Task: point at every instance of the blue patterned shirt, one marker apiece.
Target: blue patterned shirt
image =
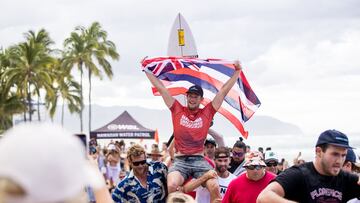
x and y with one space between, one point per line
130 189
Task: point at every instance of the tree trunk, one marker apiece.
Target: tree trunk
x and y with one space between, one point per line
62 112
89 100
81 98
29 103
38 108
24 101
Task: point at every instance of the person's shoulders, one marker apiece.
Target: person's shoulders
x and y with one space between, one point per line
297 169
122 189
240 178
124 183
176 105
237 182
292 175
349 177
292 180
229 178
232 176
158 164
210 107
158 168
270 175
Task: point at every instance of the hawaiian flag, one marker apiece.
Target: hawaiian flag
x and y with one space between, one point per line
179 73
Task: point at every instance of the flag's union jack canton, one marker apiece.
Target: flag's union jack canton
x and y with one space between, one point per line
179 73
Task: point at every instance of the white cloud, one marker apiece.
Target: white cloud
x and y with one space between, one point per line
293 60
300 56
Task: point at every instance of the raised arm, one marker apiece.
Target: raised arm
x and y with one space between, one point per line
171 150
273 193
219 139
219 98
168 99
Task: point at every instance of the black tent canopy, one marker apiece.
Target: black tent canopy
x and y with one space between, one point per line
124 126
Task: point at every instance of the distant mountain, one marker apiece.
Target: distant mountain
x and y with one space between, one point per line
267 125
161 120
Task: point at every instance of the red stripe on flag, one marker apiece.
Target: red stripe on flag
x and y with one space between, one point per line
233 119
203 76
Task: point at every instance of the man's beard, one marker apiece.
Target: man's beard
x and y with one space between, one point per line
221 169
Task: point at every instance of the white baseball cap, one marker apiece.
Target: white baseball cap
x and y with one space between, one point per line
271 156
48 162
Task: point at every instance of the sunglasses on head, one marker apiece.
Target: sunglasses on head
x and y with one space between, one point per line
238 154
251 167
271 164
137 163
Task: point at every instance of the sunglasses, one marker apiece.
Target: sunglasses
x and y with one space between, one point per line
238 154
251 167
271 164
137 163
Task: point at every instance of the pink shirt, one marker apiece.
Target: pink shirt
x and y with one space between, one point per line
245 190
191 127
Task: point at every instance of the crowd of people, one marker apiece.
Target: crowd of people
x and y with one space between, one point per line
44 163
32 162
256 170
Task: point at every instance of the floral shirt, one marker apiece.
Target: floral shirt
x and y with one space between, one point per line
130 189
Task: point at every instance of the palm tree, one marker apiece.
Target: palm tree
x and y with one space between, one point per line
66 88
42 38
32 62
101 48
76 54
89 47
10 103
69 91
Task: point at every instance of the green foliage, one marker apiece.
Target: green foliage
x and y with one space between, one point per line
89 48
33 69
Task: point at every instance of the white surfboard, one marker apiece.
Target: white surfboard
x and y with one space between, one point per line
181 40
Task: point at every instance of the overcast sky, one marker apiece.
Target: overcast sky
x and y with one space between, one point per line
302 58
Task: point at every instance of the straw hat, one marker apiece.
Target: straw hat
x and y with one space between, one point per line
155 152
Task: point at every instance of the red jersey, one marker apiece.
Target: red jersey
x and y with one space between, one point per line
245 190
191 127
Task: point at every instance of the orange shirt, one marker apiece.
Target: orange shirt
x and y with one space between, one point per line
191 127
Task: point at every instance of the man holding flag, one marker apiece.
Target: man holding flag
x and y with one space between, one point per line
191 125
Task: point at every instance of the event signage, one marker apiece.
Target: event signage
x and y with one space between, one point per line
122 127
144 135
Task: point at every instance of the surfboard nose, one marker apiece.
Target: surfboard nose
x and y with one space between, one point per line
181 40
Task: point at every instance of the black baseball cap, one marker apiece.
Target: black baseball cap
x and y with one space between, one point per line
196 89
210 141
333 137
350 156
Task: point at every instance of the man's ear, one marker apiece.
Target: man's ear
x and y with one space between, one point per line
318 151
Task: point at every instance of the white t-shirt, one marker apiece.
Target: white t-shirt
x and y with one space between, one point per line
203 195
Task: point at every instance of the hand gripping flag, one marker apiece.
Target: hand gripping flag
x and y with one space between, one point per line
179 73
